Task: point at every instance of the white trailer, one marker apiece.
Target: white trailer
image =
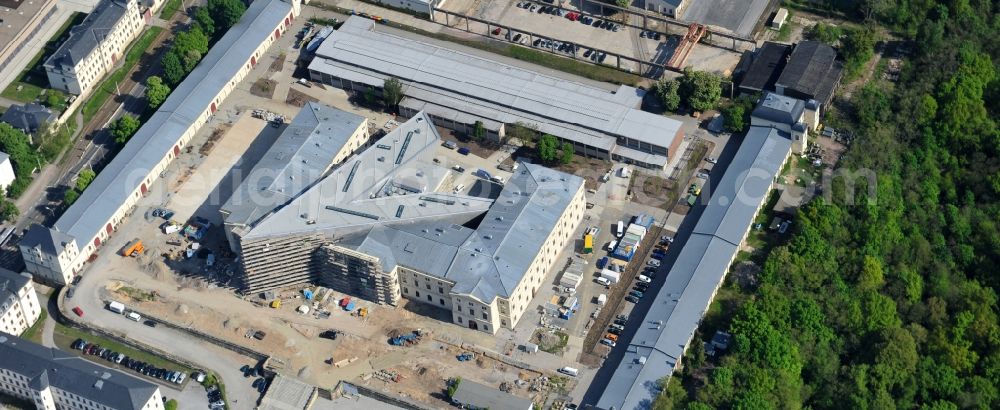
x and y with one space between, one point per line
610 275
116 307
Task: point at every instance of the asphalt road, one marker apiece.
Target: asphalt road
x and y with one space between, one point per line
604 374
223 362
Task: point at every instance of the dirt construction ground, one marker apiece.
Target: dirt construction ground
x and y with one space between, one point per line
165 283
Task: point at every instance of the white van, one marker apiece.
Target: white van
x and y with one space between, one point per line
572 371
458 188
611 245
620 229
116 307
134 317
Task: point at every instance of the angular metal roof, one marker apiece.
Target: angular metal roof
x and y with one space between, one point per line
28 117
10 284
46 367
84 37
393 180
677 308
812 70
745 185
491 260
768 62
780 109
300 156
50 241
485 397
459 80
121 177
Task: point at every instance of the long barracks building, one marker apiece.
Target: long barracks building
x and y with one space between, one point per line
457 89
54 255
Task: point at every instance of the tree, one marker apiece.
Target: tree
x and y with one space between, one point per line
700 90
54 99
70 196
204 21
734 117
226 13
84 179
392 92
8 210
453 386
522 132
478 130
170 405
193 39
123 128
546 148
567 153
23 157
156 91
369 96
173 69
623 3
190 60
666 90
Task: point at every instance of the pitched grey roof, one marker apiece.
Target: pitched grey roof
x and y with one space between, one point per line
491 260
50 241
779 109
10 284
51 367
745 185
677 308
158 136
812 71
394 180
489 88
768 62
84 37
301 155
28 117
485 397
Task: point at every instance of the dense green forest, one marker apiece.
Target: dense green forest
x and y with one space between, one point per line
888 301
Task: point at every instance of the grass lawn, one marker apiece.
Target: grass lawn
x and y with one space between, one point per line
32 80
34 333
169 9
109 86
64 337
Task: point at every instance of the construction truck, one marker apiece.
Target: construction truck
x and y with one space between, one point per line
133 248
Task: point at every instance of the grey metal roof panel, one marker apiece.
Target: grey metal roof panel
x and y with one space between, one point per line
28 117
50 241
106 194
428 66
491 260
10 284
51 367
692 280
768 62
365 189
299 157
485 397
83 37
808 66
745 185
779 108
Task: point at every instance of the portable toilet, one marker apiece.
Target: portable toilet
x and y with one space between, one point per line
307 293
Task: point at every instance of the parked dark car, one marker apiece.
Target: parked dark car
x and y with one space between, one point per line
329 334
632 299
464 151
635 293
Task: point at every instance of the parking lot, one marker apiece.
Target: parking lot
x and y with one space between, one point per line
608 36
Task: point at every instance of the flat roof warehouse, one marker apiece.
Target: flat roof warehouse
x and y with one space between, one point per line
453 80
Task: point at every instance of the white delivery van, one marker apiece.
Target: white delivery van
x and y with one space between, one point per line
602 299
116 307
572 371
620 229
612 245
134 317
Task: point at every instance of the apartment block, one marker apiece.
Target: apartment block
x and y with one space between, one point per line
19 307
94 46
52 379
